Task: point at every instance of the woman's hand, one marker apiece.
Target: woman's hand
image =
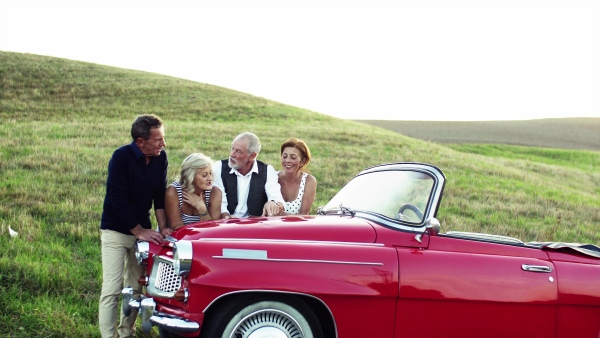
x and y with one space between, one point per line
166 232
197 202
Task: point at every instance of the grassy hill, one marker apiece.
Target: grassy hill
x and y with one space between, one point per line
61 120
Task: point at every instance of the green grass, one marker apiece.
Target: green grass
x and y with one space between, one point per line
577 159
61 120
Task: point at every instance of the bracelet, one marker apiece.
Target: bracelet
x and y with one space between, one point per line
204 214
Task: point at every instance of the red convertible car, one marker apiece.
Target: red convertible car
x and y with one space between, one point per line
372 263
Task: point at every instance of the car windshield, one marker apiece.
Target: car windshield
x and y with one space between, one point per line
398 194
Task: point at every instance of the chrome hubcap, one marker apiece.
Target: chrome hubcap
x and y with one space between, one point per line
268 332
268 323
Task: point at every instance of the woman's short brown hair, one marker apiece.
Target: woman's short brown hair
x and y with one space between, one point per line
301 146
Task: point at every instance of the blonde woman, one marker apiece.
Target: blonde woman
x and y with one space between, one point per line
193 197
298 187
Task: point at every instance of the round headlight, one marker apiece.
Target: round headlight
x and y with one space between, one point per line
182 257
141 251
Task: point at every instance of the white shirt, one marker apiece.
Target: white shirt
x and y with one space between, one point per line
272 187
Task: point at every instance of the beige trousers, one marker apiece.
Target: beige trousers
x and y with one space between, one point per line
119 269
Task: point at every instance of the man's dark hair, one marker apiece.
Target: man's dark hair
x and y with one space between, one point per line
143 124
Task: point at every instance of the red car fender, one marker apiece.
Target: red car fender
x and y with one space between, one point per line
357 282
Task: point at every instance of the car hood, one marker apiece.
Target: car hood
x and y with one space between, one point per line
302 228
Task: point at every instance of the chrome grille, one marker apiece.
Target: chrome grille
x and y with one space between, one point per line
163 280
166 280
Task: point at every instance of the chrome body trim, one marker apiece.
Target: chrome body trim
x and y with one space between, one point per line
174 324
142 248
129 304
186 294
183 254
245 254
264 240
292 260
149 316
146 311
484 237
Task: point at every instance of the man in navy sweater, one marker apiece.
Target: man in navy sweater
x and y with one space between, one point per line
137 178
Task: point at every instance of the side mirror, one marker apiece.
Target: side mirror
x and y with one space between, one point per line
432 228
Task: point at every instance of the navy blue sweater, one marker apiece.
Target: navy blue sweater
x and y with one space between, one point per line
131 188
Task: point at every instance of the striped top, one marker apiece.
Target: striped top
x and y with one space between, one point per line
187 219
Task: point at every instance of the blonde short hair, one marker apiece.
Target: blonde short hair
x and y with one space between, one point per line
189 166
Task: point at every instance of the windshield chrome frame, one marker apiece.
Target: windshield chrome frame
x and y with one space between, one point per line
433 202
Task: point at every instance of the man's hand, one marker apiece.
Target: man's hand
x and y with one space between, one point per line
273 208
148 235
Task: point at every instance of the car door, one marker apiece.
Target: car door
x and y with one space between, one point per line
578 313
457 287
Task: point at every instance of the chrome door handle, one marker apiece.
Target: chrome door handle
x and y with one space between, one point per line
536 268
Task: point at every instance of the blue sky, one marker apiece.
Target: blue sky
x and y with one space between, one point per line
363 59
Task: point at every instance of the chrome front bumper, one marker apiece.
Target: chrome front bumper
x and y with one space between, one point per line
146 309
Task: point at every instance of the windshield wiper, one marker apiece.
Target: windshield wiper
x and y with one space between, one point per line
344 210
347 210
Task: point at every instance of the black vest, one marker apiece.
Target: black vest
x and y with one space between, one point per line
257 196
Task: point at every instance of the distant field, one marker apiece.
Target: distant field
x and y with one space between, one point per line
563 133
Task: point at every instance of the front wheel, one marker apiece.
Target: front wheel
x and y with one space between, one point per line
270 319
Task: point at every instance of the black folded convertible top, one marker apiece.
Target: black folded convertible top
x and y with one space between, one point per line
586 249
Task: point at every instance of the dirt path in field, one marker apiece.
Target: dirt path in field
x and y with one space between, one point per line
564 133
